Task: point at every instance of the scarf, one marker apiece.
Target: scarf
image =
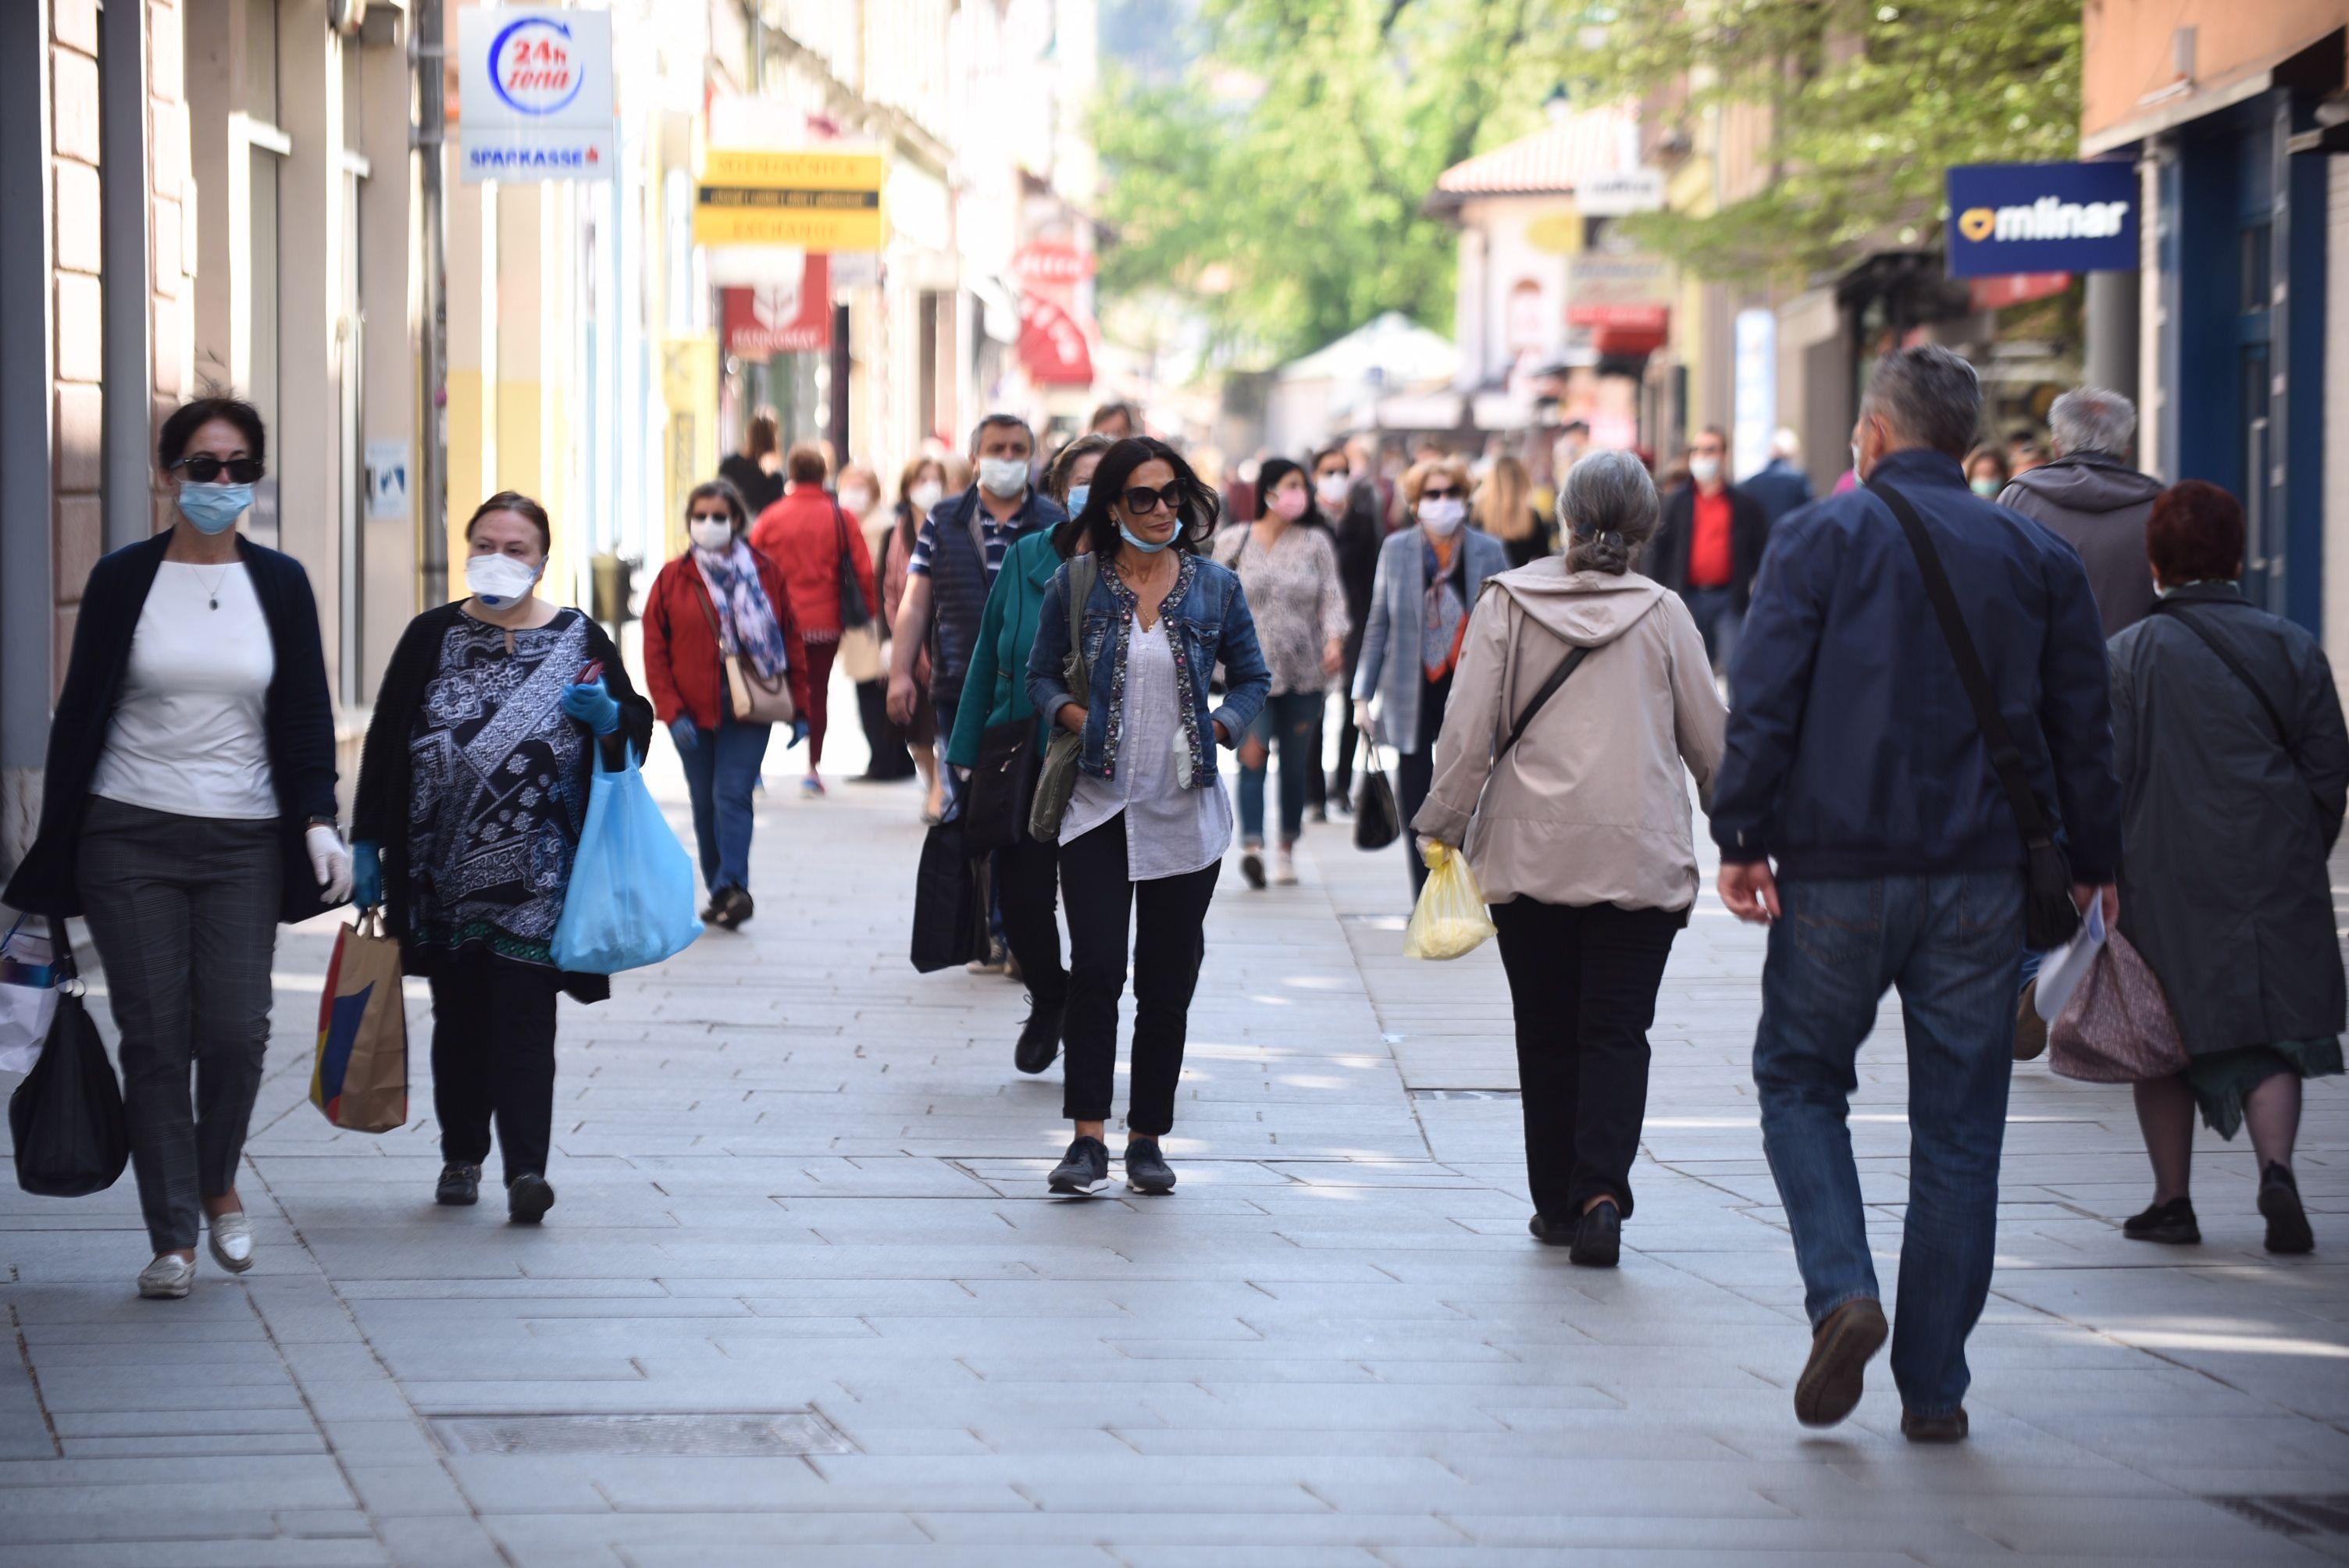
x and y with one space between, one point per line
746 622
1444 622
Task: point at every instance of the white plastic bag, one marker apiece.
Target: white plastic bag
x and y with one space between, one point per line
28 996
2061 972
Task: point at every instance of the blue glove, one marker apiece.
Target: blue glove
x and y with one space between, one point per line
592 706
798 732
366 876
681 731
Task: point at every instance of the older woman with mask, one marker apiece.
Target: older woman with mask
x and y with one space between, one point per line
1583 700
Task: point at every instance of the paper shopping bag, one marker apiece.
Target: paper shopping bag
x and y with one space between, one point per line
359 1079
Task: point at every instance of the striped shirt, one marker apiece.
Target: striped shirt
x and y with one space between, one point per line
998 537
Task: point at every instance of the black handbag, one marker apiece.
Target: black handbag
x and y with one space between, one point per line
2050 918
996 795
1377 821
66 1116
949 903
854 611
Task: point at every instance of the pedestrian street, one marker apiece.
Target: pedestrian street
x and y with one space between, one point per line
804 1299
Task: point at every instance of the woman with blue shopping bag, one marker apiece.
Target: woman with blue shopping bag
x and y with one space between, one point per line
499 719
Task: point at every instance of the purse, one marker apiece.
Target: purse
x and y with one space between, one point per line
853 611
999 785
751 697
1056 781
949 904
1378 823
65 1117
2050 918
2117 1027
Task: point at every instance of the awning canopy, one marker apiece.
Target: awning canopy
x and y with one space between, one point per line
1555 161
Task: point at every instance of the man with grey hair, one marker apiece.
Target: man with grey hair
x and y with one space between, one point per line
2097 503
1854 762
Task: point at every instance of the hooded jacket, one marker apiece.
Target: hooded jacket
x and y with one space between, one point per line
1591 805
2099 508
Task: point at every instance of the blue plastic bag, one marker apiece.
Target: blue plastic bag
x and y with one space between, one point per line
630 902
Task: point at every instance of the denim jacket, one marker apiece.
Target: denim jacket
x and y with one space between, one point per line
1207 624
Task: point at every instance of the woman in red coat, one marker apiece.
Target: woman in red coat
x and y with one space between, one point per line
808 535
721 597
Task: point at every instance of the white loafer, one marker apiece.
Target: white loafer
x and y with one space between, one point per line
166 1278
232 1242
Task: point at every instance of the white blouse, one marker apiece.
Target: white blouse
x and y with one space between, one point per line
1170 830
190 735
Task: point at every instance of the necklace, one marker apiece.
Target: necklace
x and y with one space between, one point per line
212 589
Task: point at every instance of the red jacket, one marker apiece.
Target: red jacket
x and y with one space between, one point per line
802 534
682 671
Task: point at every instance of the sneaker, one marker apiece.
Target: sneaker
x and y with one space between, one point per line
231 1241
2030 1028
1284 868
1146 1169
1948 1428
2171 1224
166 1278
1083 1170
1598 1237
460 1185
1252 868
2288 1229
527 1197
812 788
1830 1385
1039 1038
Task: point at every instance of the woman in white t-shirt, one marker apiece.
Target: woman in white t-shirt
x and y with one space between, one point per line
189 808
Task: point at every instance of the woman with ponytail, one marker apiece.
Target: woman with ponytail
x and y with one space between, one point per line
1582 701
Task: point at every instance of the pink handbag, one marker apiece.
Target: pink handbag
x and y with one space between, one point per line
2117 1027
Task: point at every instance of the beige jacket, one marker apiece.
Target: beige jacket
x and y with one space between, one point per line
1593 805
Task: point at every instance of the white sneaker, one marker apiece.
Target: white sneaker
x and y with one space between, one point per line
1284 869
166 1278
232 1242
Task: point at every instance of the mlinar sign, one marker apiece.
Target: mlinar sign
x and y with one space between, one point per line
2043 218
534 92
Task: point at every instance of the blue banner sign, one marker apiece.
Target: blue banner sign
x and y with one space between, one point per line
2043 218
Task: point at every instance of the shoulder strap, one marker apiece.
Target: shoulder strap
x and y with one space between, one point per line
2172 610
2006 757
1083 573
1567 667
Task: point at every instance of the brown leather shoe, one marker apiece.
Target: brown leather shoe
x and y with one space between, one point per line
1829 1388
2030 1028
1948 1428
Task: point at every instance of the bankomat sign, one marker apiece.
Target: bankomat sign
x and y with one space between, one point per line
2043 218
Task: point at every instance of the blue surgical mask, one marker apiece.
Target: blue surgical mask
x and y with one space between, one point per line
214 509
1142 545
1077 494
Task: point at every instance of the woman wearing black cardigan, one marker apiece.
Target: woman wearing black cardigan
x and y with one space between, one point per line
473 791
188 808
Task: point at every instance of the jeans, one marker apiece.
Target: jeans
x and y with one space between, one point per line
720 774
493 1058
1166 921
1415 775
1950 943
1582 984
1714 610
1289 721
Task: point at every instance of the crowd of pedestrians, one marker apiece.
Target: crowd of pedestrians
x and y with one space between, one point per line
1935 719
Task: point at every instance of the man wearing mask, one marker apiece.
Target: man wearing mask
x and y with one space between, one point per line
2092 498
1711 545
957 554
1348 509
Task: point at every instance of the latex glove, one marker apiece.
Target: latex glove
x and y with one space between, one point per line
366 876
329 862
681 731
799 733
592 706
1362 719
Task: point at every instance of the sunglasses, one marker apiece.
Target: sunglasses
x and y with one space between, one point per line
1140 501
206 469
724 517
1434 493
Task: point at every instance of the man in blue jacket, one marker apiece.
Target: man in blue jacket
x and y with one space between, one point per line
1854 763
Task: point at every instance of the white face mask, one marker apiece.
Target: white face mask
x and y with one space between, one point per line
1003 477
1333 488
1854 457
926 495
500 580
1443 516
711 535
856 499
1704 471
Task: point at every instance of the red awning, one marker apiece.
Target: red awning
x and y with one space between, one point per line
1053 348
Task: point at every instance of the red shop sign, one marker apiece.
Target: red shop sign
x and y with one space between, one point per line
1052 346
760 322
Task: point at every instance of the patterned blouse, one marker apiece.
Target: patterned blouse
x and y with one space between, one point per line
499 778
1295 596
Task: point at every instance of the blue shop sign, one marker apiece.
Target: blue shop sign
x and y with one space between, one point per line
2043 218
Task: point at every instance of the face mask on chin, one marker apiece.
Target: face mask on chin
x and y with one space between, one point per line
500 580
1143 545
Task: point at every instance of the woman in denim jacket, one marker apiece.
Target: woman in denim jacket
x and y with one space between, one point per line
1145 834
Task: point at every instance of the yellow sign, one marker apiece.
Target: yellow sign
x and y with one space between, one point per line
813 200
1976 222
1559 233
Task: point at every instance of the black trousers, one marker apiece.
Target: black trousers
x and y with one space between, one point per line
1415 772
1027 893
1583 980
884 738
1167 920
493 1058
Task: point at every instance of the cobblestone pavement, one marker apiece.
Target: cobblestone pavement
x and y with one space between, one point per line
798 1180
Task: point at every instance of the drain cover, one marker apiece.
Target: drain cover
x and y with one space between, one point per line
2290 1514
711 1435
1466 1094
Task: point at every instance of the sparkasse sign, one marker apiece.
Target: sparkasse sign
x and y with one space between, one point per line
534 94
2042 218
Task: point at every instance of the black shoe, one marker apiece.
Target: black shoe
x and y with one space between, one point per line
1948 1428
1039 1038
1830 1385
460 1185
1598 1237
1146 1169
1083 1170
1252 869
527 1197
2171 1224
1548 1235
737 906
2288 1229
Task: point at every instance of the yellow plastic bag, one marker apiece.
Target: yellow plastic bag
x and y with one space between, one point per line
1450 918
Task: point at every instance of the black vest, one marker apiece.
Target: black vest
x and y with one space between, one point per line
960 582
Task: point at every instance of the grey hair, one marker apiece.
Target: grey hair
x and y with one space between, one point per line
2092 419
1929 396
1608 506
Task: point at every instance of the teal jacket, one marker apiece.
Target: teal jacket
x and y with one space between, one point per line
999 666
